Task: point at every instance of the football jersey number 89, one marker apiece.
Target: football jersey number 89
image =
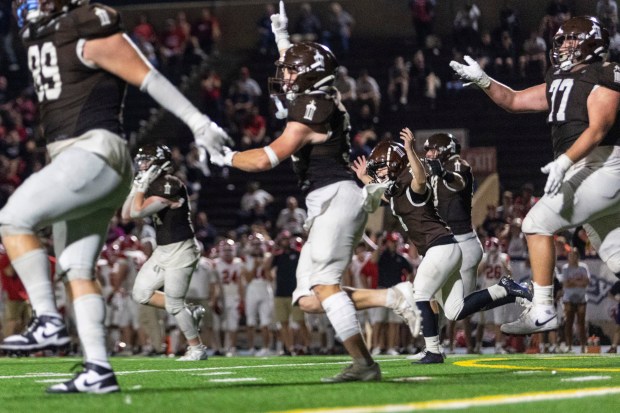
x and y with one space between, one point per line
43 63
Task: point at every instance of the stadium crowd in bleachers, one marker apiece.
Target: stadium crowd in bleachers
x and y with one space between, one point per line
414 82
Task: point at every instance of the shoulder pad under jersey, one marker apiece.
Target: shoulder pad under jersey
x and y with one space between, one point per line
166 186
311 109
96 21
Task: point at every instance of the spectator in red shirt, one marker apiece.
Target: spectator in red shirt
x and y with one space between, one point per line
206 32
254 129
145 29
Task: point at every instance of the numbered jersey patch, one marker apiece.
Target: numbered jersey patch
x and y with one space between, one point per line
74 95
567 97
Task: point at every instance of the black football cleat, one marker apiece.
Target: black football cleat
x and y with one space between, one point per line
430 358
515 290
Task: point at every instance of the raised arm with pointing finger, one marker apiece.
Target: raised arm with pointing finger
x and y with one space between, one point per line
279 27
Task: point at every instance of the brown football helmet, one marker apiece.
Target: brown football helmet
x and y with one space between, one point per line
387 154
314 64
445 144
30 11
151 154
592 43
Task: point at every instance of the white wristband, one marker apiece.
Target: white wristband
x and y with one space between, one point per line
564 161
273 158
283 43
228 158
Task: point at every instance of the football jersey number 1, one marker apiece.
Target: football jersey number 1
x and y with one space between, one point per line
559 112
43 63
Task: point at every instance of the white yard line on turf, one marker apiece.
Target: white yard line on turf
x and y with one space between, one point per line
244 367
481 401
240 379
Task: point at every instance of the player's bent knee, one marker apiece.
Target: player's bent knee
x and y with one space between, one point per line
174 305
421 295
6 230
452 312
310 304
141 296
73 274
531 225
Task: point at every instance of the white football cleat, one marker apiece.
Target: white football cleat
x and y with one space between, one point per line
263 352
406 308
93 379
43 332
532 320
195 353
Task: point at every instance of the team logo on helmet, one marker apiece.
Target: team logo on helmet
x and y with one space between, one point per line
31 11
149 155
309 66
579 40
386 162
445 144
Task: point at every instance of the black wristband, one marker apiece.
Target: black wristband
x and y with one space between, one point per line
448 177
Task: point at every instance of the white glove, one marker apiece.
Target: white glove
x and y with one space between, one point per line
148 177
227 156
556 171
209 135
471 72
279 25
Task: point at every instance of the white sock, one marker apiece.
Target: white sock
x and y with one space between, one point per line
186 324
497 292
33 269
543 295
342 315
89 317
432 344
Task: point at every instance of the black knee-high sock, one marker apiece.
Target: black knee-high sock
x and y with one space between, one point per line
430 325
481 300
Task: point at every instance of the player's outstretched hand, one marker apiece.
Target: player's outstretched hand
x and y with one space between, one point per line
211 137
472 72
359 167
408 139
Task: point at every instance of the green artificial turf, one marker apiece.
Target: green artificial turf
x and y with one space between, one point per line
506 383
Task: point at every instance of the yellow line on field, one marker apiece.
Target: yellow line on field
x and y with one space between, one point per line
480 401
480 364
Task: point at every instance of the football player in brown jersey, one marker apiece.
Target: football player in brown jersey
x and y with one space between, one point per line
81 62
163 196
316 137
453 183
581 94
395 174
